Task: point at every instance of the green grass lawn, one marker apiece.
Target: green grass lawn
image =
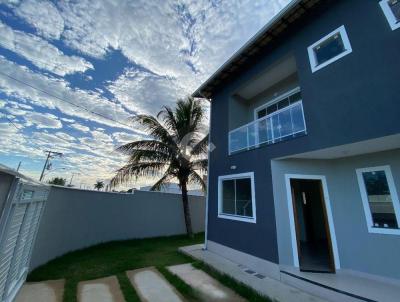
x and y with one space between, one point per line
115 258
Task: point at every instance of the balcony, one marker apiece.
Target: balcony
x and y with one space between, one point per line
278 126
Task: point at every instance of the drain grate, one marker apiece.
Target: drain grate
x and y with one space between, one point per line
249 271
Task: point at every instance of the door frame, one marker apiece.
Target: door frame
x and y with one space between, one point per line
329 216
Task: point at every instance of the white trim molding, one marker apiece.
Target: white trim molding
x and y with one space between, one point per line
332 232
347 46
393 195
391 18
253 198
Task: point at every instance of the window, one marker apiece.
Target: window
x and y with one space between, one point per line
281 102
391 9
380 200
329 49
236 197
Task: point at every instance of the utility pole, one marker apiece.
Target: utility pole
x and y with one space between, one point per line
72 176
50 155
19 166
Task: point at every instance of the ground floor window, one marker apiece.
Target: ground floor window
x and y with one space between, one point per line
380 199
391 9
236 197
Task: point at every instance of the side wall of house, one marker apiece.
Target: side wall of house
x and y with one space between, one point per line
358 249
74 219
351 100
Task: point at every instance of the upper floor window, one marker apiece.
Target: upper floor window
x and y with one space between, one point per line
281 102
329 49
236 198
380 200
391 9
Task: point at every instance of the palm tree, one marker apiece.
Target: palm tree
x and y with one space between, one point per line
99 185
176 150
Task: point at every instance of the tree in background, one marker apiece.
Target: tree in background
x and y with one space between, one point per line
177 150
57 181
99 185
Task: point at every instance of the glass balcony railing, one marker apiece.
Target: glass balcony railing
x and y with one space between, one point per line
281 125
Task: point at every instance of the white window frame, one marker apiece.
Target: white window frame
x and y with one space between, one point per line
276 100
347 46
393 195
253 198
389 14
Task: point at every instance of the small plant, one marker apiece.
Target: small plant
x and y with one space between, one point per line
99 185
59 181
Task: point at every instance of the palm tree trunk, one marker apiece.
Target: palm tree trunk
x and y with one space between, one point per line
186 210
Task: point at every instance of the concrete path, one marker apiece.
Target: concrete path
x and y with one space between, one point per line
48 291
209 288
267 286
151 286
100 290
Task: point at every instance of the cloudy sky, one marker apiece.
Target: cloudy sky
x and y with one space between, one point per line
69 68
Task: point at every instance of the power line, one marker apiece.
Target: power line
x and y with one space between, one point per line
64 100
20 129
39 147
33 60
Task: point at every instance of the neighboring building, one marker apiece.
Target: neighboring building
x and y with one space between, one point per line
174 188
305 119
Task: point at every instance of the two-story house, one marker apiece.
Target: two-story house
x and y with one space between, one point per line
305 119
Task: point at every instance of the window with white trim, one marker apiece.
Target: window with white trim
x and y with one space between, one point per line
391 9
380 199
330 48
278 103
236 199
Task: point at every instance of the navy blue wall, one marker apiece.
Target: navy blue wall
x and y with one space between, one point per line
353 99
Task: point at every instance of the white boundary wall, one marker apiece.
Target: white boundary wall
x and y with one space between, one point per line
74 219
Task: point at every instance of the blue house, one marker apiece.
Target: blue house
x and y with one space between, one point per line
305 119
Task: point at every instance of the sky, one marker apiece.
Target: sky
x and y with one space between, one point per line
73 72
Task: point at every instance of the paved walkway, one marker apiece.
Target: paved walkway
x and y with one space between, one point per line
100 290
266 286
209 288
49 291
151 286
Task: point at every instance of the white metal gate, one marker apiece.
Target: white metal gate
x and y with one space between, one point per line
18 228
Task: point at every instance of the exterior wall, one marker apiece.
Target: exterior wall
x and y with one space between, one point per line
241 111
353 99
264 97
370 253
74 219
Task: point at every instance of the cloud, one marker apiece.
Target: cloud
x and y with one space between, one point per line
40 52
60 90
80 127
144 92
123 137
173 45
42 15
42 120
67 120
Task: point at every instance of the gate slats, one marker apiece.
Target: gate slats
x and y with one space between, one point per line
17 236
7 254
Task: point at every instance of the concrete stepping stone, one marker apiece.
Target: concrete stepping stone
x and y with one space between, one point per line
100 290
209 288
151 286
48 291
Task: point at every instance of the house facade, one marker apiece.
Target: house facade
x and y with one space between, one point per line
305 120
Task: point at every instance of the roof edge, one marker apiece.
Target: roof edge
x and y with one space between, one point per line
276 18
